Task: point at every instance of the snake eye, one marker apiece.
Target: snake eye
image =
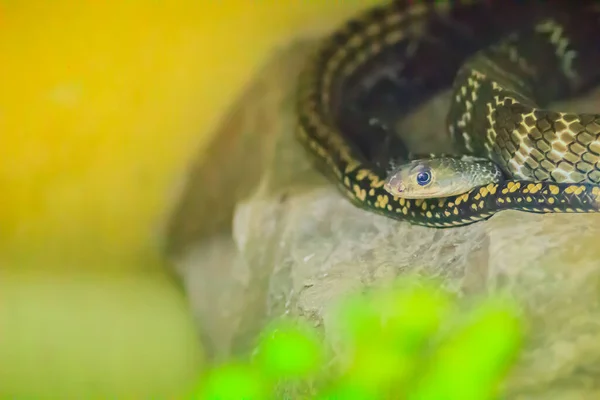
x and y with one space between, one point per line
423 178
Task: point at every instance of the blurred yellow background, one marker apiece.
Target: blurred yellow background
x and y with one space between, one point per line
102 105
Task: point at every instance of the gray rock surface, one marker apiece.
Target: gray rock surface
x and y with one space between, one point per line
286 242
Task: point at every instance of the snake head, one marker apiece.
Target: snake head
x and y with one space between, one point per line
440 177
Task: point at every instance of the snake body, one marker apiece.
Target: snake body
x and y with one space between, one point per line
502 59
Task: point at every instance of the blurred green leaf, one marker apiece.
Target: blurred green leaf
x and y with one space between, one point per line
394 348
233 381
289 350
471 364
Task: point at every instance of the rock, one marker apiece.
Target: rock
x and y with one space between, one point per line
288 243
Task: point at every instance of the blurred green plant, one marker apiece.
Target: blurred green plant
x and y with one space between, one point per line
412 342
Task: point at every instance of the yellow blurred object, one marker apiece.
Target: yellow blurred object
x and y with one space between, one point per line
92 336
102 106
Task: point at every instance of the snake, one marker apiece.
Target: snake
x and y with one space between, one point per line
502 60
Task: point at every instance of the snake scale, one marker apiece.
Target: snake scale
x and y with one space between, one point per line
501 59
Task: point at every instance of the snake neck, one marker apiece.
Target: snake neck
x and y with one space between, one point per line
499 93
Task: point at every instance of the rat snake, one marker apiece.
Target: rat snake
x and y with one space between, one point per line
501 58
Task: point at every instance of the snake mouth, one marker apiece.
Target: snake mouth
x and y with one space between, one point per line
393 188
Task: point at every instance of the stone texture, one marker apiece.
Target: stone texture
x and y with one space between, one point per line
286 242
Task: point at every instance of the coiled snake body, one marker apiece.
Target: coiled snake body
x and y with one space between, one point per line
503 60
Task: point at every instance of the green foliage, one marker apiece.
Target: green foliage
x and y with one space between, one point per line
411 343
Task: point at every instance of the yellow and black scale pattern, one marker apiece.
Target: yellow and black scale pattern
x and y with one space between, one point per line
551 158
